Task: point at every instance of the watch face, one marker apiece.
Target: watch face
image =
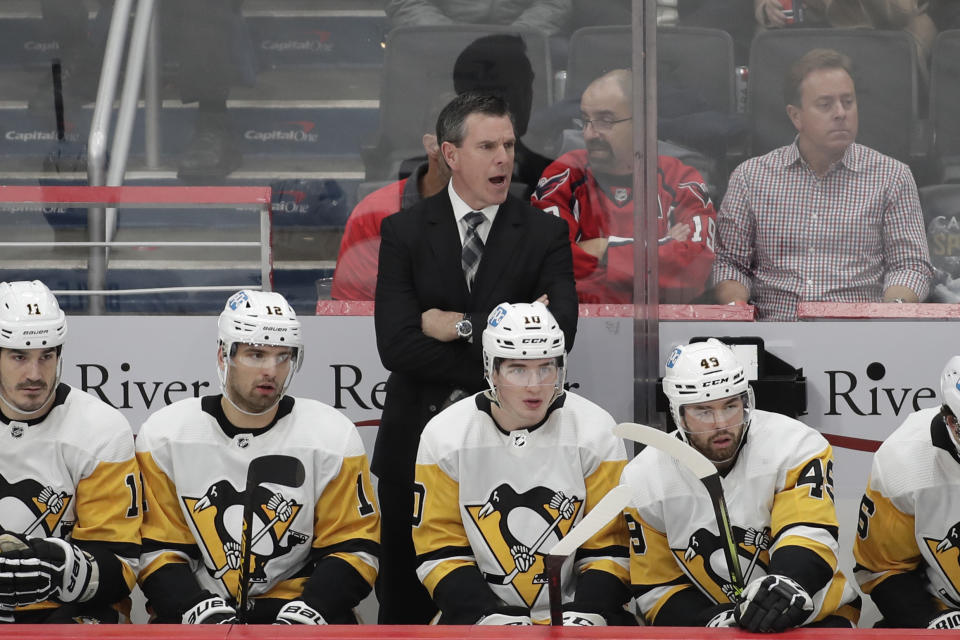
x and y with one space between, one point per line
464 328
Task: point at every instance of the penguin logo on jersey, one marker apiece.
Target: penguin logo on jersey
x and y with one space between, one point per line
946 552
519 528
218 519
31 508
706 565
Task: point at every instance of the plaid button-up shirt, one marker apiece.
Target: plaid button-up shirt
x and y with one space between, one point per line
788 235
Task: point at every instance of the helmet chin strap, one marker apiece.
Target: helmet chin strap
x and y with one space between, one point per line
44 406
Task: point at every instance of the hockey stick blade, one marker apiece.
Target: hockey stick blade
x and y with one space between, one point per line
609 507
276 469
683 453
707 473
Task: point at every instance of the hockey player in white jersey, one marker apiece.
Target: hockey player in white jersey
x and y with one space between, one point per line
70 495
777 475
907 545
314 541
502 475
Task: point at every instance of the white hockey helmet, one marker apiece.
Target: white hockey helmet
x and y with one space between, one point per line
522 331
950 385
703 372
260 318
30 317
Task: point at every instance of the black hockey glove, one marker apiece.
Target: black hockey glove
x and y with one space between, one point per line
37 569
773 603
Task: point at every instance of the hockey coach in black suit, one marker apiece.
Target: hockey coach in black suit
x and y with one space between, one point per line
445 263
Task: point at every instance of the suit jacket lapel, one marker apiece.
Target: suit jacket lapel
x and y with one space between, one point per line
444 240
502 242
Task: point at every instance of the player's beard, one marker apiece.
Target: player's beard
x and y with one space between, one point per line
28 404
702 443
251 401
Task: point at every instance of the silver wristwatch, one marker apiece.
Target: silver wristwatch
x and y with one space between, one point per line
465 327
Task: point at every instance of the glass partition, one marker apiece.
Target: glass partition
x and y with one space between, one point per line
333 104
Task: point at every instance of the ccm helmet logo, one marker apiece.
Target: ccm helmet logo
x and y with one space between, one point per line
713 383
534 340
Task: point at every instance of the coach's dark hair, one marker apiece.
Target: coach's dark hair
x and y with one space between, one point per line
451 124
813 60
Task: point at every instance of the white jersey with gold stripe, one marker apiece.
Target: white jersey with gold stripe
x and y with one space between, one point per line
195 474
910 515
500 500
779 493
72 474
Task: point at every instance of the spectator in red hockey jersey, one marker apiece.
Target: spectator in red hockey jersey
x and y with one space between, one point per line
592 189
355 277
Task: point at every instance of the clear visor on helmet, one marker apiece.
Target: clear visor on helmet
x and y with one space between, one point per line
262 356
716 415
520 374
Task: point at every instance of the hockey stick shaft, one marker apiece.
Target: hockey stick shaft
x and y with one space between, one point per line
243 590
706 472
609 507
276 469
263 531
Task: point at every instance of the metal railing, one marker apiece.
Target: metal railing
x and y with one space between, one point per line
143 49
97 198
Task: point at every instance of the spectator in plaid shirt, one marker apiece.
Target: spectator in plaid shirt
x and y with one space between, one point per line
823 218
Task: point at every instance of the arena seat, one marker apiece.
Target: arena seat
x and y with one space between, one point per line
418 72
944 98
695 61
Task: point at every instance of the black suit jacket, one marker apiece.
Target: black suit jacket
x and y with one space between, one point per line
527 254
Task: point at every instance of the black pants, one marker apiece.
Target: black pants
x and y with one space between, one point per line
403 598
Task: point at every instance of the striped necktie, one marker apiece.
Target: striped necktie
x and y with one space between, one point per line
472 247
